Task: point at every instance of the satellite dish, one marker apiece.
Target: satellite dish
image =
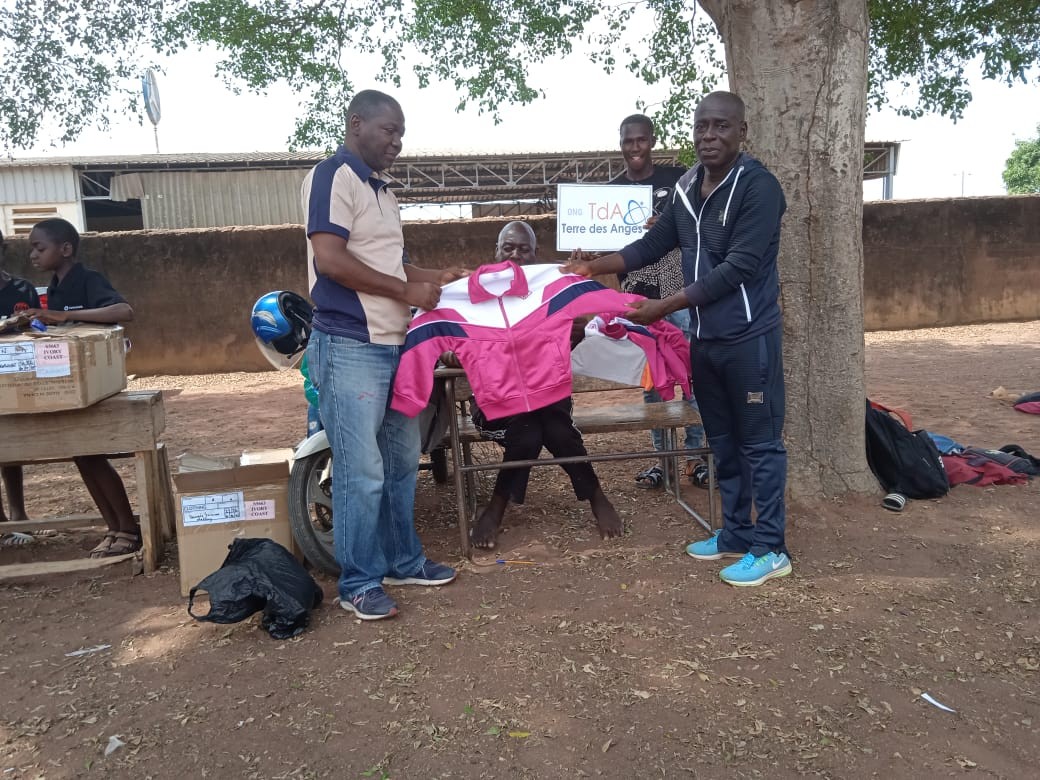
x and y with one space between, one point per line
150 88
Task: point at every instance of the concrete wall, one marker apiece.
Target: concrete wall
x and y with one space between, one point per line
927 263
951 262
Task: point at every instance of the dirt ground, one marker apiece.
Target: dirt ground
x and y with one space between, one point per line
622 659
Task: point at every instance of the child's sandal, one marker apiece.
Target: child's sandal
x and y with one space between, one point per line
651 478
699 477
124 543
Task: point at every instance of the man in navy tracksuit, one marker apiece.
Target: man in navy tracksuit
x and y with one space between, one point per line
725 216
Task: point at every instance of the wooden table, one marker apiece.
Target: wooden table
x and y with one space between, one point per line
125 425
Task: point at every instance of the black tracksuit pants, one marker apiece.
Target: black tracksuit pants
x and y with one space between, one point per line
523 436
740 391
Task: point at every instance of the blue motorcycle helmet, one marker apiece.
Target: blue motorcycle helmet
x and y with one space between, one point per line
281 322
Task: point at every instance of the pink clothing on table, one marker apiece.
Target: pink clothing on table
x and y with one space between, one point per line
659 346
510 327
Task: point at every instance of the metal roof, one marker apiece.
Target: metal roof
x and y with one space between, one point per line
205 160
178 161
433 178
256 159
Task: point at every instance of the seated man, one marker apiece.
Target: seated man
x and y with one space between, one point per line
523 435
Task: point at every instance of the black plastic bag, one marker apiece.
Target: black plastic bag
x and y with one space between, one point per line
260 574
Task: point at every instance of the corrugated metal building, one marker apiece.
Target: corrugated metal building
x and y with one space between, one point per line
154 191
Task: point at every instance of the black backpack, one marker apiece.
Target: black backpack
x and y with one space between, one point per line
903 461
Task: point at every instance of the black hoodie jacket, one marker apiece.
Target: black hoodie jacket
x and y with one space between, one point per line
729 242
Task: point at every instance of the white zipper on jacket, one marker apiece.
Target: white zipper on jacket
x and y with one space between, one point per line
512 352
725 216
725 212
697 218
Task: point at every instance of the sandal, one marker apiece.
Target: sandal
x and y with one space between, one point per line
124 543
699 476
103 546
651 478
894 502
16 539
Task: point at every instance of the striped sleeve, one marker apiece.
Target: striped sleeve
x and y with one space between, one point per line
330 207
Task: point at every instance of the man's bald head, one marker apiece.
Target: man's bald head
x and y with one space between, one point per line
729 102
517 242
522 227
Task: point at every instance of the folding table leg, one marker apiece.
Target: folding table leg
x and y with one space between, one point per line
458 459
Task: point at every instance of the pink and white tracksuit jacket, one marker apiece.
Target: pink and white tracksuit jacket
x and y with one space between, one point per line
510 328
662 347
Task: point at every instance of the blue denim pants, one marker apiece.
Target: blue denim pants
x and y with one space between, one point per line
694 433
375 461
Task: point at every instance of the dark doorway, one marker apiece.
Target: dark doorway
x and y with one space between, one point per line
109 215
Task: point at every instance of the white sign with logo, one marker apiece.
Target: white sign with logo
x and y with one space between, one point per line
601 217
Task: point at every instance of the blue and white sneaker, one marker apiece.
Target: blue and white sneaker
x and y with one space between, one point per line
749 570
429 573
708 550
373 604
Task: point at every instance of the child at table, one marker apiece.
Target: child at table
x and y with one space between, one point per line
16 295
78 294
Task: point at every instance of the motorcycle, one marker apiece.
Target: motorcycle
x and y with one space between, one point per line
310 497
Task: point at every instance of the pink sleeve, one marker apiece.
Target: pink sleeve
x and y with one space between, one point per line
596 301
414 381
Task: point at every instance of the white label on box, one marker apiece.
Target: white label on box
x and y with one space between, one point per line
17 357
52 359
213 508
260 510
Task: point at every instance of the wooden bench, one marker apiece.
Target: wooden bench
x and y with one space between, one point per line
667 416
125 425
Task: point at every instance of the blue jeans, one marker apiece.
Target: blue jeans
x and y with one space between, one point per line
694 433
375 461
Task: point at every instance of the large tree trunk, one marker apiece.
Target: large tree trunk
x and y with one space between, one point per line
801 67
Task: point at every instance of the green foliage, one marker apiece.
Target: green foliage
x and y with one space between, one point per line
66 65
1022 170
51 72
923 46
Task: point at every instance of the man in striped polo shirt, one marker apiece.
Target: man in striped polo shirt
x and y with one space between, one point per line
363 287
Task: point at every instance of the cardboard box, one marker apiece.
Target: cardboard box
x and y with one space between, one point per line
66 367
218 500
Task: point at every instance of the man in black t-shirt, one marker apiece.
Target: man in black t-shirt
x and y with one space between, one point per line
660 279
664 277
